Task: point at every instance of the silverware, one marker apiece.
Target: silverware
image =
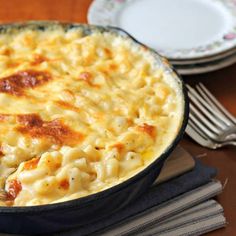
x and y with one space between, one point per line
203 140
210 124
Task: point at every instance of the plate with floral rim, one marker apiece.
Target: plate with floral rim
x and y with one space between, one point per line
219 56
206 67
177 29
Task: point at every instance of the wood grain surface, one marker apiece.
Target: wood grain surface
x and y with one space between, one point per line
222 83
180 161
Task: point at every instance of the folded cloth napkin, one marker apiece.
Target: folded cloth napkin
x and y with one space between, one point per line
157 194
200 227
202 218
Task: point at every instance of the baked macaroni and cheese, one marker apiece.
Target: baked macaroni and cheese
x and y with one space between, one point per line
79 114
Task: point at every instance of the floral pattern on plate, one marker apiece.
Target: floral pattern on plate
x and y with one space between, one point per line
105 12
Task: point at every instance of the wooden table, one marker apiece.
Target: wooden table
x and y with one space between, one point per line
222 83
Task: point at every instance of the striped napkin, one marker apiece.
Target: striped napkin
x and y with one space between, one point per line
191 213
203 218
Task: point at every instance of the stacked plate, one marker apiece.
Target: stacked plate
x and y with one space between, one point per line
197 36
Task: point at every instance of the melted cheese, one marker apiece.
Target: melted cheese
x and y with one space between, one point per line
79 114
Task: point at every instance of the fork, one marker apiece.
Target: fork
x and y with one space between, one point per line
203 140
210 124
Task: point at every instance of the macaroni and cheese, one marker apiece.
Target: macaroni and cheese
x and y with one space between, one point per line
79 114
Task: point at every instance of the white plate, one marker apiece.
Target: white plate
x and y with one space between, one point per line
213 58
206 67
178 29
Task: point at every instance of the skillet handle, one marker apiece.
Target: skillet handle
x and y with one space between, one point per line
123 32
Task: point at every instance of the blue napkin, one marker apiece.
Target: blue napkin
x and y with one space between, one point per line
157 194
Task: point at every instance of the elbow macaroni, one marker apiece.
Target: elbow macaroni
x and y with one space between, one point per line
79 114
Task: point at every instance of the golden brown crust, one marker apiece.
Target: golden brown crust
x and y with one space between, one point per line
149 129
55 130
14 188
17 83
31 164
67 106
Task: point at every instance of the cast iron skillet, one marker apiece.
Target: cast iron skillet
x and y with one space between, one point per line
75 213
